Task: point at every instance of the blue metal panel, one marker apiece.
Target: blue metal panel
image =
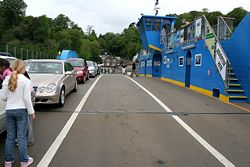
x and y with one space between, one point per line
205 76
153 38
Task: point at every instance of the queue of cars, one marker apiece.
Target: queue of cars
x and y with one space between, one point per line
53 79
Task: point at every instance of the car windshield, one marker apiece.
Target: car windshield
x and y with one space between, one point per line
44 67
75 63
90 63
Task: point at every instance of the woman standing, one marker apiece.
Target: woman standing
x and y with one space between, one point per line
16 93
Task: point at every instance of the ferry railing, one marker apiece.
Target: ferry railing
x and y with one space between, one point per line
224 28
187 35
226 80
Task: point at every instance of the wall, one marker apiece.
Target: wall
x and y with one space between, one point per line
205 76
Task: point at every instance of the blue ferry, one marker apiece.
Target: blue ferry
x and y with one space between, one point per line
211 60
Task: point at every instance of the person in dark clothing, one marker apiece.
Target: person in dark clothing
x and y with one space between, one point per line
133 69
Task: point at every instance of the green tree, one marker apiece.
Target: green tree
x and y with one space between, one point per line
62 22
183 19
212 17
131 42
237 13
41 29
11 10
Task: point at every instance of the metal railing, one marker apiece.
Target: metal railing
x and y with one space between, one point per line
23 53
224 28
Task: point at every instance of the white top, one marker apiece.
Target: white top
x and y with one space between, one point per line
21 97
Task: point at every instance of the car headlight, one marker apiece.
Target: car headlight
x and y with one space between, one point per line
51 87
79 72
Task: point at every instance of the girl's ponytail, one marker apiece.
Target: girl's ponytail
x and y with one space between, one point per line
18 67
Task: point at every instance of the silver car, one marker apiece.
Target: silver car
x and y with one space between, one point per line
92 67
52 80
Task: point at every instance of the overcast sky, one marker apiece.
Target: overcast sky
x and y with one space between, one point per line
115 15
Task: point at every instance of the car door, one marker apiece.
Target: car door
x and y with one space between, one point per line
70 77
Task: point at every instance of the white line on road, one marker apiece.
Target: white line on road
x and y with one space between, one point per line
45 161
204 143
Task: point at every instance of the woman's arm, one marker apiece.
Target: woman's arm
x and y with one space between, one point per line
27 97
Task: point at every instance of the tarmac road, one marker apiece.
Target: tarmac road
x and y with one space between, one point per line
121 125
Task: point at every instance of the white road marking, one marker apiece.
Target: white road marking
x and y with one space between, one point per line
45 161
205 144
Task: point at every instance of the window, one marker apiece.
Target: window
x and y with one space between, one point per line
181 61
148 24
68 67
198 60
156 25
44 67
76 63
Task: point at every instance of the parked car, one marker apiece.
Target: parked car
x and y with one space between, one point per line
7 56
2 115
81 67
52 80
98 68
92 68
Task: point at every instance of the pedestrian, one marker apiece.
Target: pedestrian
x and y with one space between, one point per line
5 69
16 93
133 69
123 69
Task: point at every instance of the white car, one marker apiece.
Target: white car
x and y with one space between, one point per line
2 103
2 115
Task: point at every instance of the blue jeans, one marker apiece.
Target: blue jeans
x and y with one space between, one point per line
16 124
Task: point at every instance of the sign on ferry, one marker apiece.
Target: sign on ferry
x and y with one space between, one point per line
221 61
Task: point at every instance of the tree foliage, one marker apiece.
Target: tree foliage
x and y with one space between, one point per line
183 19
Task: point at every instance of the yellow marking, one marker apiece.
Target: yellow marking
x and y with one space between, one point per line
238 97
154 47
147 75
237 106
222 98
174 82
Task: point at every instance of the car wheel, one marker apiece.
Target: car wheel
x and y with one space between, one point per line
62 98
76 86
